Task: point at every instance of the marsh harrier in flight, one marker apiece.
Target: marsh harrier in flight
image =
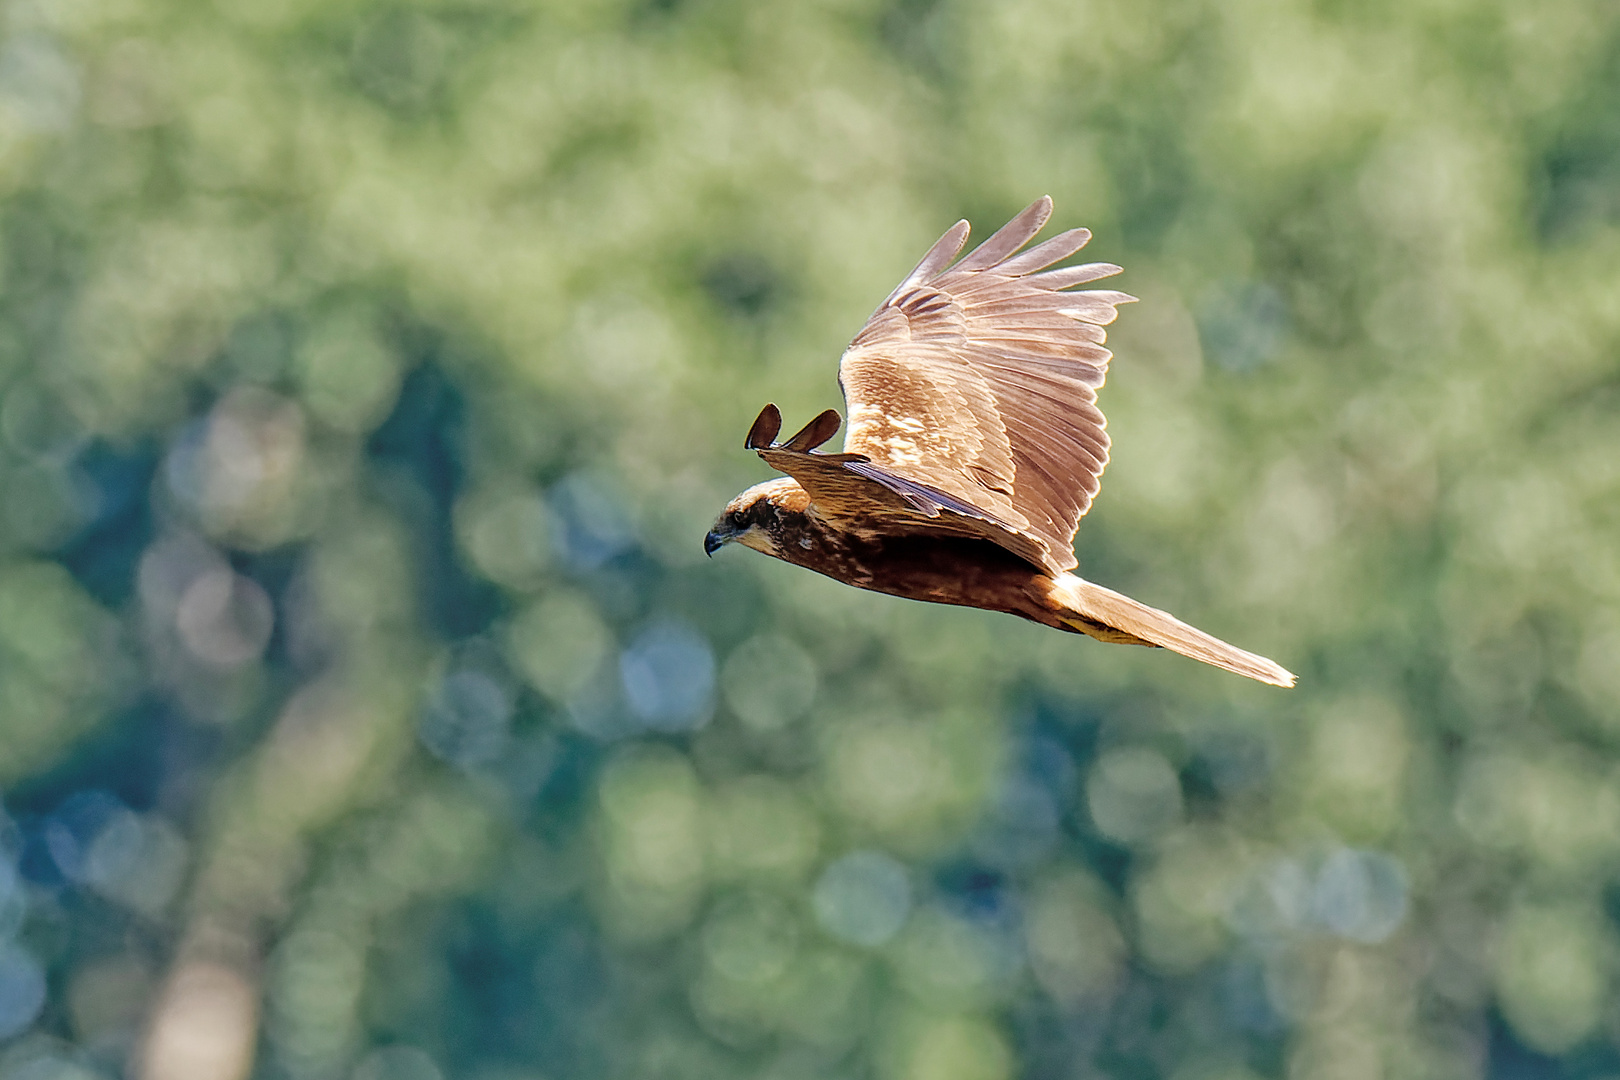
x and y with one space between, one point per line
975 446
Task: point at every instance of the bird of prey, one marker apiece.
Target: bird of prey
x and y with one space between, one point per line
975 446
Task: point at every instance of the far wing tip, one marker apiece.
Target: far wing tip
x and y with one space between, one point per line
765 428
816 432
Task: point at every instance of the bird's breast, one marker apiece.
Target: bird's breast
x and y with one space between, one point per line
957 570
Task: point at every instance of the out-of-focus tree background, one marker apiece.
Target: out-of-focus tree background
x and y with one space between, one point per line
371 369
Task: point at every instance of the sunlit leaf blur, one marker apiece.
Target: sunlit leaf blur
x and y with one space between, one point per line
370 372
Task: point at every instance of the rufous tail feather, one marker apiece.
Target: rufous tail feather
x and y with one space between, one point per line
1111 616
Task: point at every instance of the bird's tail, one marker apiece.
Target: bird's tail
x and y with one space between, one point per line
1109 616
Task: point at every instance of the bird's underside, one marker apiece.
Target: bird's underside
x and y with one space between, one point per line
974 448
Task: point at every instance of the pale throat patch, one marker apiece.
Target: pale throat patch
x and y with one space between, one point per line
755 538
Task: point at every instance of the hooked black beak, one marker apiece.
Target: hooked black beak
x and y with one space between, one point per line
715 541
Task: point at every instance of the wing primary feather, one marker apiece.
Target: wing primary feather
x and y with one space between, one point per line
1065 276
1008 311
1106 296
1089 372
1009 238
1053 322
1046 253
1062 387
1093 307
766 426
1025 346
938 257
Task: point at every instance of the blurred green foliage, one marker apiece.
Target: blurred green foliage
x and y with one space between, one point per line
371 369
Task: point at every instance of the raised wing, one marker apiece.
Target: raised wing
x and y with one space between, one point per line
980 381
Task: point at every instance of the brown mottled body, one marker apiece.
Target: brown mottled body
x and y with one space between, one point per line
974 448
776 518
958 570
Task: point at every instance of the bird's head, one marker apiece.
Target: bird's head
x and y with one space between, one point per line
759 517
